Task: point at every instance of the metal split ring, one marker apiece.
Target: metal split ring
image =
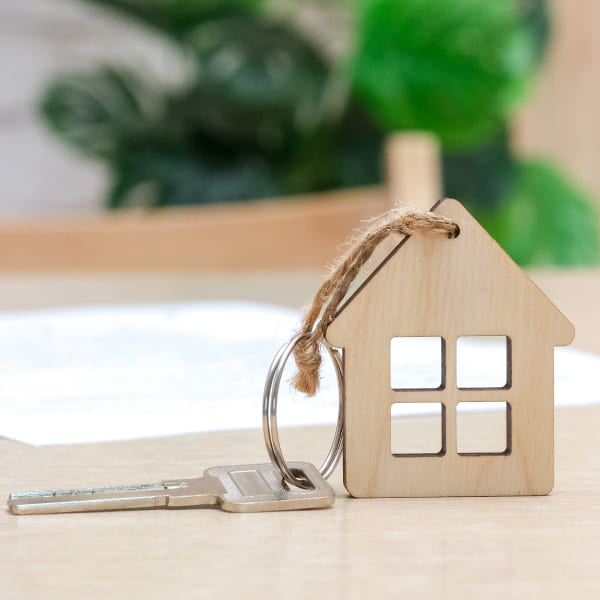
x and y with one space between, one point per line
270 430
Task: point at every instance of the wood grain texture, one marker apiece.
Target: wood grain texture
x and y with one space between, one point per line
448 288
456 548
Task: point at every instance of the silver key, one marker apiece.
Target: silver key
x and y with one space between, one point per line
238 488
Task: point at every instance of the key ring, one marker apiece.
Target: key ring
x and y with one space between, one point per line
270 430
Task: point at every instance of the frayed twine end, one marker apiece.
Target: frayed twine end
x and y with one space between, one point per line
308 361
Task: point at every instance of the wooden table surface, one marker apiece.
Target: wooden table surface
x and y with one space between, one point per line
527 547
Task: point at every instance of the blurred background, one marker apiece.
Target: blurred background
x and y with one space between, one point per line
108 105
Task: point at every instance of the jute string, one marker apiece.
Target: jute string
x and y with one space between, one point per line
407 221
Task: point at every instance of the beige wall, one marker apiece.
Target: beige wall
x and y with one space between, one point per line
563 119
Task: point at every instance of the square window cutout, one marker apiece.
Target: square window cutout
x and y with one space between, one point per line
483 361
418 428
417 363
483 428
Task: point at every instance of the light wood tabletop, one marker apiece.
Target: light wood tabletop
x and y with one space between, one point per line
522 547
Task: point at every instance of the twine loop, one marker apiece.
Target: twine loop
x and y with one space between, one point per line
406 221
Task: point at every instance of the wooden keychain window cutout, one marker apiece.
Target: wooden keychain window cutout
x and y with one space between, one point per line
483 428
446 279
417 363
432 439
483 362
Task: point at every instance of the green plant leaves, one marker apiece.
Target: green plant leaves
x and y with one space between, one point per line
252 121
455 68
97 111
177 17
257 82
165 176
534 15
545 220
481 177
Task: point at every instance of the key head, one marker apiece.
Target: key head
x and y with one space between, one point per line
260 488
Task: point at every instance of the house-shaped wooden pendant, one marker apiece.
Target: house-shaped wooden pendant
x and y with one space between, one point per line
429 287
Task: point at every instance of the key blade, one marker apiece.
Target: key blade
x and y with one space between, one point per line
148 495
200 491
260 488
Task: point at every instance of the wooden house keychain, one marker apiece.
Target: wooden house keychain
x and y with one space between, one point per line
447 278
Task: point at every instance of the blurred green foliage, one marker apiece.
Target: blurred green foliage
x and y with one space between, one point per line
265 111
532 225
456 70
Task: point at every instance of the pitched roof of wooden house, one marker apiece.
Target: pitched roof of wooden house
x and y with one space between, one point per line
426 283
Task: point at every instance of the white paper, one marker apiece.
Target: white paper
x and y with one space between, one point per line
122 372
